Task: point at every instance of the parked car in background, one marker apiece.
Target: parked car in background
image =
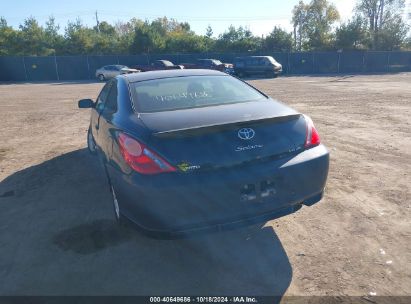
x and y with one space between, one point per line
257 65
111 71
192 150
159 65
229 68
210 64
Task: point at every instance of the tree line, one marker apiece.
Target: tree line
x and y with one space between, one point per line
375 25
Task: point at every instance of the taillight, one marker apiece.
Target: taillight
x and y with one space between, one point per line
312 137
141 158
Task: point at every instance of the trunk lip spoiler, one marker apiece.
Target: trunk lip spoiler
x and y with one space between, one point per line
227 125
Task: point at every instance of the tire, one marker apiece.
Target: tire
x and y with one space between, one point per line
271 75
101 77
268 75
91 144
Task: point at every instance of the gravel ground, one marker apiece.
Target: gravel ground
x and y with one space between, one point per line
57 235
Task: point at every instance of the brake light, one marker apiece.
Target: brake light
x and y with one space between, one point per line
139 157
312 137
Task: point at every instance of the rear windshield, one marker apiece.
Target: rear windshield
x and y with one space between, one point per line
177 93
165 62
271 59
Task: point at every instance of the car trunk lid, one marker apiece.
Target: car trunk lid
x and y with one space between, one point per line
224 136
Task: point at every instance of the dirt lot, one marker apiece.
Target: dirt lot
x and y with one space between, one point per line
57 235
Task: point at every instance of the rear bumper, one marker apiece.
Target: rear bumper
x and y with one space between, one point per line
178 203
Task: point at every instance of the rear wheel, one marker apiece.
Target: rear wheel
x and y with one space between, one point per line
91 144
101 77
270 75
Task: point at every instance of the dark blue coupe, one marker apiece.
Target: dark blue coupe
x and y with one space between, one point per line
194 150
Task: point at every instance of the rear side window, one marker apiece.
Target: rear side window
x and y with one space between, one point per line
101 99
271 60
205 63
163 63
111 101
190 92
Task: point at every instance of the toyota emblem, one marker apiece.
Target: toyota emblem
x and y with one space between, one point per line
246 133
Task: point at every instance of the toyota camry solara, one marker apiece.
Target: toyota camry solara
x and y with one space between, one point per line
194 150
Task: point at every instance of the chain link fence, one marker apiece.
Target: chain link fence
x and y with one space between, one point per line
61 68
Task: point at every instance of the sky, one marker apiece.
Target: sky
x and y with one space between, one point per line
260 16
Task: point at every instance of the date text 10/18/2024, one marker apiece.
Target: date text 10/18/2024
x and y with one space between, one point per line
237 299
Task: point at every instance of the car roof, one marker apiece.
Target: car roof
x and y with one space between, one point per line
116 65
151 75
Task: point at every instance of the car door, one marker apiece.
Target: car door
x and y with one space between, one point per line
97 110
105 136
116 70
251 64
207 64
106 71
239 65
159 65
112 71
201 64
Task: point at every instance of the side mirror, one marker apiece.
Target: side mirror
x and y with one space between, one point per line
86 103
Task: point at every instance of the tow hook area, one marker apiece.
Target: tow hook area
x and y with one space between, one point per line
250 192
267 188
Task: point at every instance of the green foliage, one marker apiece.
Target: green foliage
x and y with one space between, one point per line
299 21
78 39
321 15
392 35
183 43
238 40
407 44
378 25
105 29
53 40
278 41
385 25
125 33
31 39
148 39
352 35
7 38
313 25
209 32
